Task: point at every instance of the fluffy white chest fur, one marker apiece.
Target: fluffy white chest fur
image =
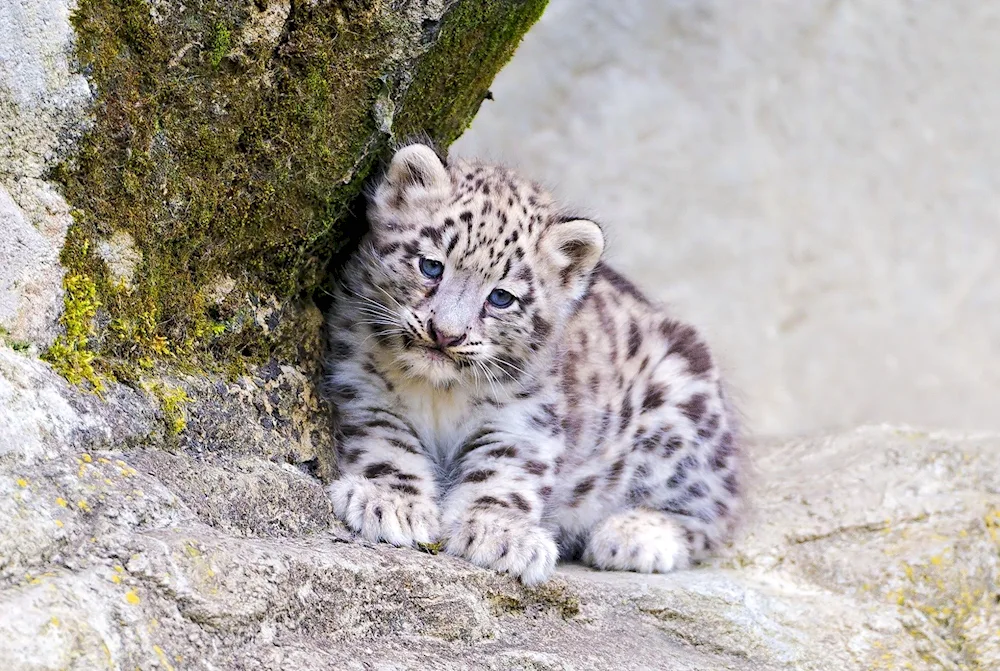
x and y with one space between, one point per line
443 418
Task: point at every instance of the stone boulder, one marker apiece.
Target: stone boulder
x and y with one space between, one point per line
874 549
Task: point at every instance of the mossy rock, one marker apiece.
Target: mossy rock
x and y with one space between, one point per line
228 147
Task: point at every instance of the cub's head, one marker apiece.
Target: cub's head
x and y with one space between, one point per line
469 272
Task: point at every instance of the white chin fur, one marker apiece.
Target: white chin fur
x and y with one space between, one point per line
437 371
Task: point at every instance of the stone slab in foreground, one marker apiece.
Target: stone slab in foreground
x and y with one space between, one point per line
878 548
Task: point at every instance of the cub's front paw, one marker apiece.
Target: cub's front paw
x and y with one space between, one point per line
645 541
382 514
501 541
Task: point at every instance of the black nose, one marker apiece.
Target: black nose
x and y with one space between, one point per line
443 339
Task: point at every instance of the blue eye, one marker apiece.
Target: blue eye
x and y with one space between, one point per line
431 268
501 298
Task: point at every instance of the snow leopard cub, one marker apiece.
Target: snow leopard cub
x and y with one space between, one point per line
502 390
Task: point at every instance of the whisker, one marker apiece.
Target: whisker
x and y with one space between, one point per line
369 302
501 362
385 332
492 380
375 312
379 318
376 323
390 296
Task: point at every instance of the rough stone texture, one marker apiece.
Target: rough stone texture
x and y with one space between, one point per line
34 219
42 100
877 548
815 183
42 108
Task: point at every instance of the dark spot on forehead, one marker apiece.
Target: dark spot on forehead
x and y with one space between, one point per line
506 270
535 467
386 249
431 233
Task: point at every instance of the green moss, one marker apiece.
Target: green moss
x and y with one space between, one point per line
173 404
431 548
233 160
546 597
222 42
476 39
71 355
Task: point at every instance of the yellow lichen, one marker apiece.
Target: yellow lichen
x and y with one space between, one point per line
132 597
947 603
70 354
164 660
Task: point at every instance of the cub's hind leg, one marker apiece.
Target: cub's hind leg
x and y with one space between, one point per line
672 477
642 540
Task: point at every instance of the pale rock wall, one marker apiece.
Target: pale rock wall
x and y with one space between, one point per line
42 103
815 184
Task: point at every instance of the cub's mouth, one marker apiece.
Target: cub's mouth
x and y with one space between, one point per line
431 351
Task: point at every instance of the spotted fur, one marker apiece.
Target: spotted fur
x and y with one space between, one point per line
579 421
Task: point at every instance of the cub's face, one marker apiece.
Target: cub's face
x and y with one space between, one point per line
468 271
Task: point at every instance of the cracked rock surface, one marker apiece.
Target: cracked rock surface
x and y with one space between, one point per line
877 548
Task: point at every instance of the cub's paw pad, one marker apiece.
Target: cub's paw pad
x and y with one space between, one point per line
642 541
504 542
380 513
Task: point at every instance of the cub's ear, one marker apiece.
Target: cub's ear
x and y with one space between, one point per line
573 246
415 172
